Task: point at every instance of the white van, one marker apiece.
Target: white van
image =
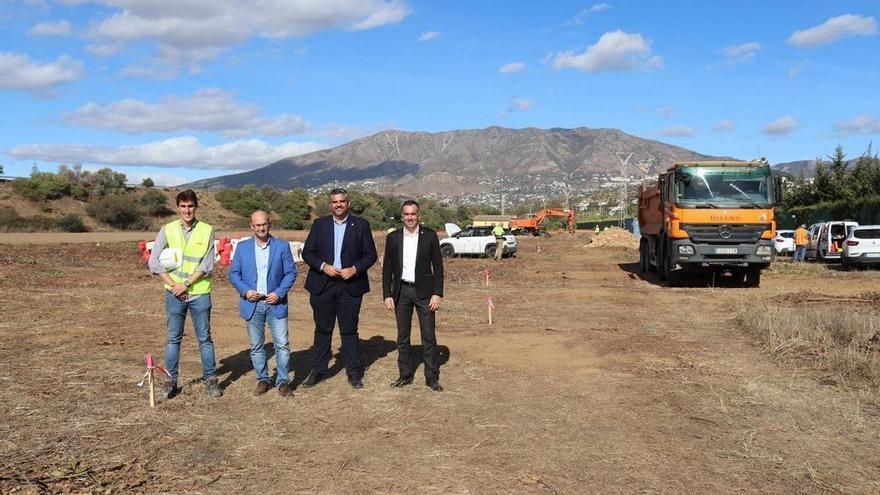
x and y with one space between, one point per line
827 239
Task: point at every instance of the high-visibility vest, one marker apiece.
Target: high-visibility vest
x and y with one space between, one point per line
194 250
498 231
800 237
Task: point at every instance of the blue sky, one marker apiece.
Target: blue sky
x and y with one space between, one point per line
185 89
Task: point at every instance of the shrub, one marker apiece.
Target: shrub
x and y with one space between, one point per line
120 212
71 223
148 182
155 203
42 186
79 192
11 222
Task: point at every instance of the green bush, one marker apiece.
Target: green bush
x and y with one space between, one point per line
148 182
42 186
155 203
79 192
117 211
71 223
11 222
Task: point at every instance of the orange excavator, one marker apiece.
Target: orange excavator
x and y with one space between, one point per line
533 224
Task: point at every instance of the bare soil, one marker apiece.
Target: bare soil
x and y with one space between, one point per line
593 379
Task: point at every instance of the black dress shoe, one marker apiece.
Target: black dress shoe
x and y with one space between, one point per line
435 385
402 381
312 380
355 382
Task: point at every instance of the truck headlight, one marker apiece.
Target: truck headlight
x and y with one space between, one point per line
763 251
685 250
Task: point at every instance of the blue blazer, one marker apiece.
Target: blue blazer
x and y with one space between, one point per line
358 250
282 274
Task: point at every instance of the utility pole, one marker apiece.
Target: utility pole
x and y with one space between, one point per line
623 201
502 203
34 168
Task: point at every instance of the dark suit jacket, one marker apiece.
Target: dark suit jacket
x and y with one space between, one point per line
358 250
429 265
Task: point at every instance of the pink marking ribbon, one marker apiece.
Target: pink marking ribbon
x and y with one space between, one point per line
489 302
150 367
486 273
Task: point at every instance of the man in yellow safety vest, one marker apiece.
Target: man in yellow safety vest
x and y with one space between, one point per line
185 269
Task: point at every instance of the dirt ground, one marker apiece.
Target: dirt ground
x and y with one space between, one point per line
593 379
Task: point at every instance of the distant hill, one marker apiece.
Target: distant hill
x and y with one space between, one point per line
463 161
794 169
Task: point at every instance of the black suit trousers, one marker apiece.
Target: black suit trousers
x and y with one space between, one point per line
334 304
403 310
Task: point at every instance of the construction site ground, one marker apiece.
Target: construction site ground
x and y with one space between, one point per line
592 379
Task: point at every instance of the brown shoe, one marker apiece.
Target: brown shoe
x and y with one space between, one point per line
262 388
284 390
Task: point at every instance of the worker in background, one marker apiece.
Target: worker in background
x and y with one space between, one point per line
498 232
800 243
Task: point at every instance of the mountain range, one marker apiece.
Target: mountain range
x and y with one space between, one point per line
464 162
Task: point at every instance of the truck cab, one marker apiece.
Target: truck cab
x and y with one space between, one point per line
709 216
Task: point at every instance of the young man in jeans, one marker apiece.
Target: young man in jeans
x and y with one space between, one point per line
187 288
263 272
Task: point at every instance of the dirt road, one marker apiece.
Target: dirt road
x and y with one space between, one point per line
592 380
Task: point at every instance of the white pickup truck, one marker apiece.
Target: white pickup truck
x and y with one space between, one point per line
474 241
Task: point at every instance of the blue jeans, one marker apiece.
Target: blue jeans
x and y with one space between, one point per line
799 253
278 326
200 314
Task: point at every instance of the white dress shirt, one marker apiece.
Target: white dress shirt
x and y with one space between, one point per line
410 244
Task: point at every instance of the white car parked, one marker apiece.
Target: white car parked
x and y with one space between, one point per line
474 240
862 246
784 242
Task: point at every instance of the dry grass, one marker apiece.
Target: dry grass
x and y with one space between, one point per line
843 343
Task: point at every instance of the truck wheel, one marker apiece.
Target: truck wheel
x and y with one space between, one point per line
753 277
672 276
447 251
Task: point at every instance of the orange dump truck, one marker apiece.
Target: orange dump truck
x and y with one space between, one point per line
709 216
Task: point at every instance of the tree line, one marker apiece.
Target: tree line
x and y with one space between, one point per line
841 189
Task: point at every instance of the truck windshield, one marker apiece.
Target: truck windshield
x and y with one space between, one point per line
714 187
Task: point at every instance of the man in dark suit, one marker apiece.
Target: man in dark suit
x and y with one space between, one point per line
412 277
339 250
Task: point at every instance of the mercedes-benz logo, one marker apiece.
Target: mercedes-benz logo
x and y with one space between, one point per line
724 231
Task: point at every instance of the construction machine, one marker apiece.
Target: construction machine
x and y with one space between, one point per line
709 217
533 224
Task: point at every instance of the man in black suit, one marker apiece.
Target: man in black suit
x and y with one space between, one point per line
338 250
412 277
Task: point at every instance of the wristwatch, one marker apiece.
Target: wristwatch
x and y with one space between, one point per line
187 283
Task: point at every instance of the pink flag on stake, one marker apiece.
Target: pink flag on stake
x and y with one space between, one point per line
489 302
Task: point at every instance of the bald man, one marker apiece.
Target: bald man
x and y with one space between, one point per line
263 272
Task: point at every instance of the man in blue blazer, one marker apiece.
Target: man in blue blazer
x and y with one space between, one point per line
263 272
339 250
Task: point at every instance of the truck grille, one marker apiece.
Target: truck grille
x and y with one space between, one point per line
717 234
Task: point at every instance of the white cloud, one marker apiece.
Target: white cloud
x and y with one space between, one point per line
862 124
517 104
583 14
512 68
666 112
160 179
189 31
212 110
782 126
834 29
723 125
430 35
185 151
103 50
18 71
60 28
677 131
615 51
156 73
740 54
